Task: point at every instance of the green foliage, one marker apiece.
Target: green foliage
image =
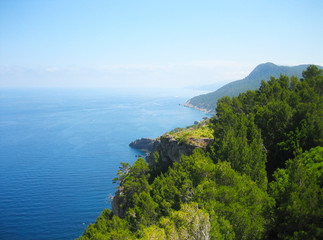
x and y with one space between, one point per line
289 117
144 212
192 134
288 113
235 201
299 197
223 193
153 232
107 226
157 167
122 173
171 189
251 82
238 141
134 182
189 222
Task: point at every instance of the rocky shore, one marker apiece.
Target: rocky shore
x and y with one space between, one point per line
171 149
189 105
144 144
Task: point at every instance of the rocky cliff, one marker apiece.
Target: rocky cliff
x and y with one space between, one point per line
171 149
144 144
116 201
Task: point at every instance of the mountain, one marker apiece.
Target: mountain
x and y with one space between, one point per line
207 102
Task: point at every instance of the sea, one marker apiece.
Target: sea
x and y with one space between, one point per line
61 148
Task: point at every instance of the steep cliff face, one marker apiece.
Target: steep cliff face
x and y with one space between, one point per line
145 144
171 149
116 202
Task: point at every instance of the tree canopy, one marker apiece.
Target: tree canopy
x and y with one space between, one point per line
261 178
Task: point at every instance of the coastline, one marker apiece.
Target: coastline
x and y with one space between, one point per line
187 104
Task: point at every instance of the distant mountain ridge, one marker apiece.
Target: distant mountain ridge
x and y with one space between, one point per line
207 102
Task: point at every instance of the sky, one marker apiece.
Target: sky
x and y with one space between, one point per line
155 43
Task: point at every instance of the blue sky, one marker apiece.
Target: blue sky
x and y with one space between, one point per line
119 43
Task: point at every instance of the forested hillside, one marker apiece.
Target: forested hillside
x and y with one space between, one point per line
207 102
261 178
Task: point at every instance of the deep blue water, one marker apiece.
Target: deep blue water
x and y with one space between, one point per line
60 149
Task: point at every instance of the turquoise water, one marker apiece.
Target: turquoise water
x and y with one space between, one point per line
60 149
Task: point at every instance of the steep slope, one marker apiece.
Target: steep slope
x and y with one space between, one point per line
207 102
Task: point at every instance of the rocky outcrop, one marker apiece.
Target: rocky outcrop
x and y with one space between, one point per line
144 144
117 201
189 105
171 149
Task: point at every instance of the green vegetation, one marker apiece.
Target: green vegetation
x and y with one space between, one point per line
298 191
251 82
193 134
261 178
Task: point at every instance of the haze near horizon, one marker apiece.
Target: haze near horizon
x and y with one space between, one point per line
152 43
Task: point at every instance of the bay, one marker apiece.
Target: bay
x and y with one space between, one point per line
60 150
